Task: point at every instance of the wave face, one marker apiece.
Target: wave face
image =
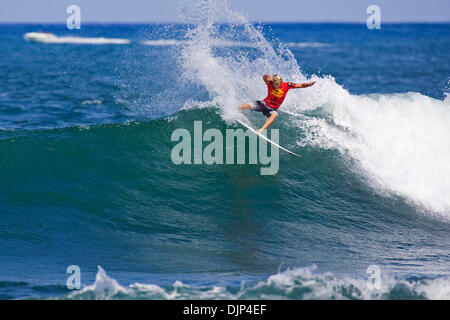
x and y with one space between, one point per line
86 176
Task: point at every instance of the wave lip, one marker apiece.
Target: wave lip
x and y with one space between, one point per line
51 38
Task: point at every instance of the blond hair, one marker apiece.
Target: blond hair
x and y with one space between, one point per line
276 78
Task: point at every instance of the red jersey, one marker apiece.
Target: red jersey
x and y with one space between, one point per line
275 97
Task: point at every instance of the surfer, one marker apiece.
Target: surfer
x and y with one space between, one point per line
277 91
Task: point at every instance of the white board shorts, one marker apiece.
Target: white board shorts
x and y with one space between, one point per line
261 106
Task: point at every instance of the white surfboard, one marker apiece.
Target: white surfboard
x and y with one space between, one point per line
268 140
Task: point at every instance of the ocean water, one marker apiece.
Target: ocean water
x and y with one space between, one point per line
86 176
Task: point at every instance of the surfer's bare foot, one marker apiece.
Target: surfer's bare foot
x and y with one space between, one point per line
260 130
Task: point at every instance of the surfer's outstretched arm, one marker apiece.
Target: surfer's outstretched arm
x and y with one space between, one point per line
268 122
303 85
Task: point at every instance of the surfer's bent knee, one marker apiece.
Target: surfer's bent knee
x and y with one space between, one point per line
245 106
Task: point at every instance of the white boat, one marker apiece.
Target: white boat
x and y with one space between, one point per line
46 37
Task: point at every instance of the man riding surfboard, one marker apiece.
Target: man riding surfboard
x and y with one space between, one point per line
277 91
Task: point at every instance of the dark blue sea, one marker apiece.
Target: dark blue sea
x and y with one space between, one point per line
86 176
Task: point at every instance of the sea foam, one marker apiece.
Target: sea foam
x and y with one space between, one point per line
297 284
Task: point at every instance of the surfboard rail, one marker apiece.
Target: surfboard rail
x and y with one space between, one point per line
267 139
